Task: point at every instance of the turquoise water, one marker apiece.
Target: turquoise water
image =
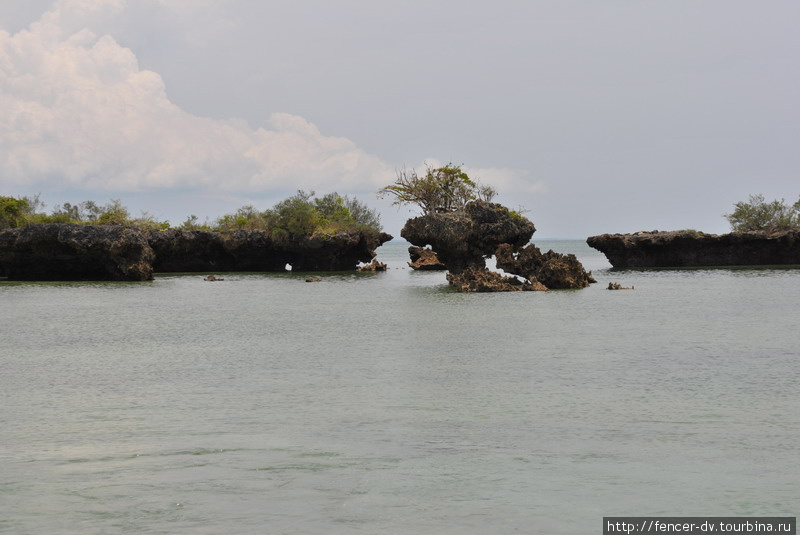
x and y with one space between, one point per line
386 403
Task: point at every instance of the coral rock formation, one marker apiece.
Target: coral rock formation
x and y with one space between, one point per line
689 248
375 265
75 252
424 259
553 270
462 240
483 280
254 250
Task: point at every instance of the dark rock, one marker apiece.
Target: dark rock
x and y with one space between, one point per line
462 240
342 251
313 279
254 250
375 265
424 259
483 280
555 270
75 252
212 278
203 250
686 248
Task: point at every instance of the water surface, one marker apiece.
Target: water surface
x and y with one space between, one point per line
386 403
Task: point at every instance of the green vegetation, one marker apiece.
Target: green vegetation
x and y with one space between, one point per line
13 212
300 215
20 212
443 189
303 215
758 214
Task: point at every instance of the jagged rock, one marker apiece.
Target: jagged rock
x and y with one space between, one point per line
483 280
688 248
375 265
462 240
75 252
554 270
424 259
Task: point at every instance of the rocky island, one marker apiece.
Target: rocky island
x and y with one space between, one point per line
460 228
61 251
463 239
90 242
689 248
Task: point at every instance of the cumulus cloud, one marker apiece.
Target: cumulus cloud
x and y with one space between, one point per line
79 112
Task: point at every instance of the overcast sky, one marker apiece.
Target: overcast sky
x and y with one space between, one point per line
595 116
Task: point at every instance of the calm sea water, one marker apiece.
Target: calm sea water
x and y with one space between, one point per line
386 403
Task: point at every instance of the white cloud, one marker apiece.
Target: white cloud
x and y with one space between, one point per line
79 112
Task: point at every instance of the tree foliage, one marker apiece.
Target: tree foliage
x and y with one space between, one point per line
758 214
31 210
13 212
441 189
302 214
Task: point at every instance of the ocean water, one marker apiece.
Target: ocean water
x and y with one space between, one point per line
387 403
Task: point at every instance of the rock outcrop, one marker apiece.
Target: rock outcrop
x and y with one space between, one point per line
75 252
254 250
554 270
342 251
424 259
463 240
688 248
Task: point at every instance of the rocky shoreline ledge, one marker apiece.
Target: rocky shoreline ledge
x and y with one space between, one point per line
62 251
688 248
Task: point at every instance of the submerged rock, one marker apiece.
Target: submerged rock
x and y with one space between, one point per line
618 286
424 259
483 280
553 270
689 248
67 252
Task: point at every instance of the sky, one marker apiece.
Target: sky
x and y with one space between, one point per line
593 116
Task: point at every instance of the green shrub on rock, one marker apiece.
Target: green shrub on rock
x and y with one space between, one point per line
758 214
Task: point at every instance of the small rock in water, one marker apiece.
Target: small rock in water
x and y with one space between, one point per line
618 286
212 278
313 279
375 265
